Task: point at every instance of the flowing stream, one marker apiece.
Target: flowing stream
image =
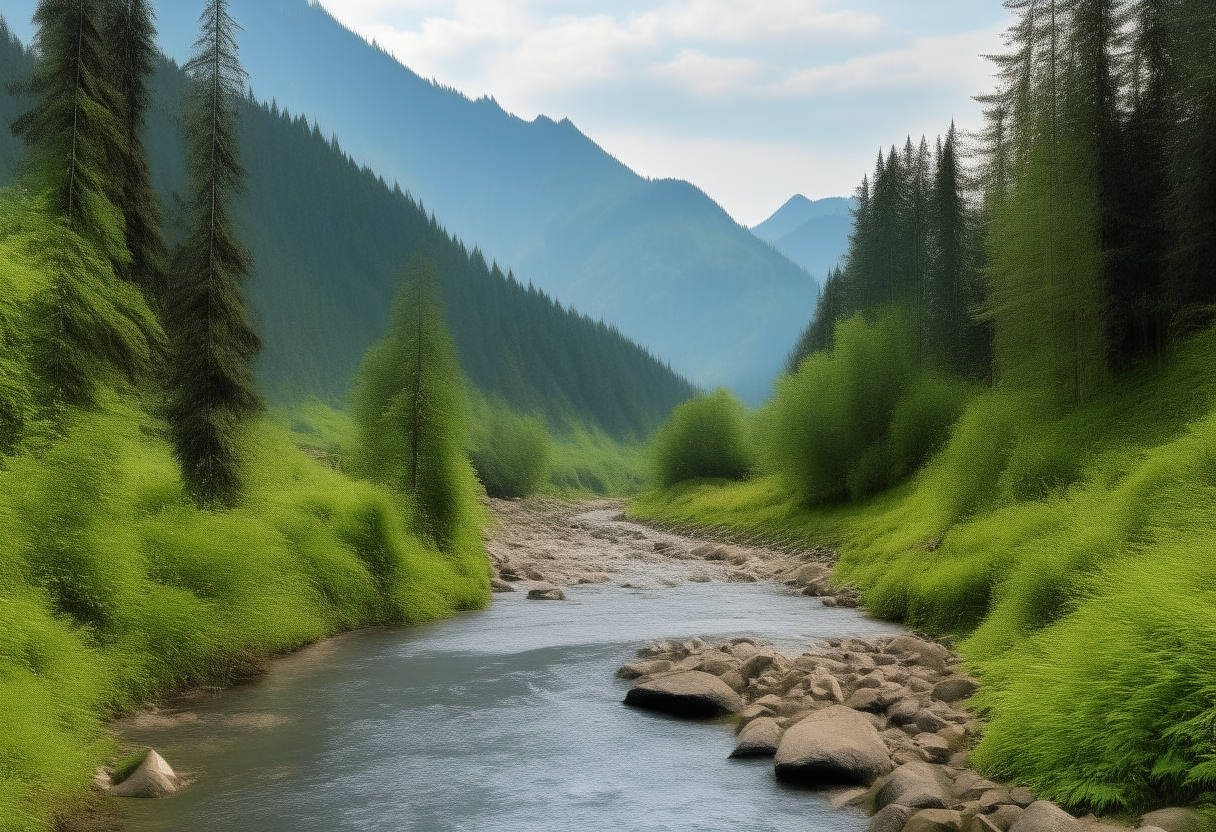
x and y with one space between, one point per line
506 719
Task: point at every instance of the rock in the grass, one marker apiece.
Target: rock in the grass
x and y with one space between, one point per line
153 778
1021 796
1045 816
890 818
633 671
499 585
954 689
834 745
916 785
935 820
759 739
689 693
809 573
918 651
1176 819
546 592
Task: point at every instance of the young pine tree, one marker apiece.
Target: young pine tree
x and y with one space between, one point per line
409 407
131 36
214 346
94 326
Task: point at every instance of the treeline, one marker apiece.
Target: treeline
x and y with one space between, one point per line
1082 243
328 238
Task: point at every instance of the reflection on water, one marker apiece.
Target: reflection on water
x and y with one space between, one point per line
507 719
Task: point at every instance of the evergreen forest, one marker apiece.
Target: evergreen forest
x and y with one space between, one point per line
1003 412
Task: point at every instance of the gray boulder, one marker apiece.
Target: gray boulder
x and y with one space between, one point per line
759 739
833 745
952 690
633 671
546 592
1005 816
1176 819
689 693
1045 816
1021 796
890 818
935 820
153 778
916 785
499 585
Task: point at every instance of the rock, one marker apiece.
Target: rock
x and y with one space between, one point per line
738 576
1176 819
970 786
959 759
849 797
1150 829
719 664
499 585
952 690
824 686
875 700
690 693
916 785
1044 816
903 711
809 574
102 778
983 823
755 711
935 820
829 601
928 721
756 665
743 651
1021 796
890 818
1006 816
734 680
993 798
153 778
936 749
633 671
834 745
759 739
546 592
711 552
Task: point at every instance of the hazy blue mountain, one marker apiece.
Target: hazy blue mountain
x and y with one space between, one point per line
659 260
812 233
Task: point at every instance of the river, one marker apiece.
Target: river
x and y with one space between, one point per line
505 719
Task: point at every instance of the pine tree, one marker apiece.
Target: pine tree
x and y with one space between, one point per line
131 36
409 406
93 324
212 389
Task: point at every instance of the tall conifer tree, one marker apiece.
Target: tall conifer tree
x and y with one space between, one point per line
131 36
214 345
93 324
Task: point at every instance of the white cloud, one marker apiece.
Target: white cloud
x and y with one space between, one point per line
708 76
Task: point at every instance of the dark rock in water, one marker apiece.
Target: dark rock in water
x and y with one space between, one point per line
890 818
499 585
546 592
153 778
1044 816
690 693
833 745
759 739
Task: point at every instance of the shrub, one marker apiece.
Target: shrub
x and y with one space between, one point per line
703 438
510 453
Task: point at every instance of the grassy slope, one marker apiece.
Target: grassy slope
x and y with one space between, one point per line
1070 556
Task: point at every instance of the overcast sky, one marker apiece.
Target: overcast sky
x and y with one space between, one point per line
752 100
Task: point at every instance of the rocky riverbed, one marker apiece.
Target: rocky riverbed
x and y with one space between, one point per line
886 715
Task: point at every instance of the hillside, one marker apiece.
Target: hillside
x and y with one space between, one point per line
329 238
812 233
659 260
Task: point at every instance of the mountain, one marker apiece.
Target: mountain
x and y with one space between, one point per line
329 239
658 259
812 233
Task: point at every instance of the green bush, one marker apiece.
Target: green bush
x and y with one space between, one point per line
704 438
510 453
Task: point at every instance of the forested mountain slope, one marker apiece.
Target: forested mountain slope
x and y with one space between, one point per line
659 260
329 239
812 233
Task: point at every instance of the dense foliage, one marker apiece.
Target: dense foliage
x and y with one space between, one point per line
512 454
706 437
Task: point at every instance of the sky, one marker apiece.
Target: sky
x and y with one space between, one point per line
751 100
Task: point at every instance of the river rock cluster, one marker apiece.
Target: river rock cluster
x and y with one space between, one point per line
886 715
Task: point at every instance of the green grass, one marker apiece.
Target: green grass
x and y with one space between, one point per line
1069 555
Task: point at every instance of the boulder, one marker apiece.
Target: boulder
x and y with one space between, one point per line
935 748
717 663
993 798
1045 816
903 711
734 680
546 592
499 585
633 671
935 820
759 739
875 700
809 573
954 689
850 797
916 785
1176 819
928 721
890 818
971 786
1006 816
757 664
153 778
689 693
834 745
743 651
983 823
710 552
1021 796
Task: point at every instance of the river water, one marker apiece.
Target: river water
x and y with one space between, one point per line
506 719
